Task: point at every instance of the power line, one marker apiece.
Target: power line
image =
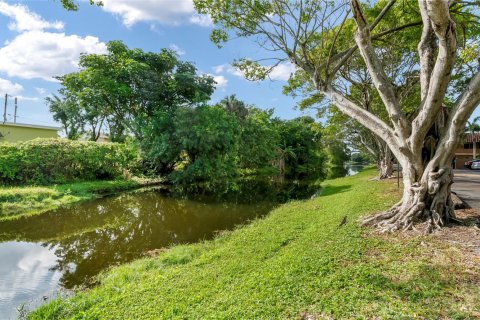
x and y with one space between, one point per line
15 116
26 118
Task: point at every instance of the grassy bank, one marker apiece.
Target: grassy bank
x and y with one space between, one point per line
297 263
21 201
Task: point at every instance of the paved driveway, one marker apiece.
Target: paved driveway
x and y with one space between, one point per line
466 184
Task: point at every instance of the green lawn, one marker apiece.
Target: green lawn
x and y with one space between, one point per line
295 263
21 201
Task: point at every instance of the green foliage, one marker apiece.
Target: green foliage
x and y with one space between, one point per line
259 137
301 148
66 111
208 139
337 152
211 146
472 126
361 158
46 161
123 89
259 140
337 155
161 102
71 5
296 262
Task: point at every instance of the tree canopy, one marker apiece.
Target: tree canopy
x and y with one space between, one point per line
323 38
161 103
125 87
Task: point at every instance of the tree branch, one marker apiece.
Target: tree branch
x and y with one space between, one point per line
426 49
362 116
463 109
346 54
377 72
444 28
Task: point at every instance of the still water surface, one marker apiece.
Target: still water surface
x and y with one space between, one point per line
58 250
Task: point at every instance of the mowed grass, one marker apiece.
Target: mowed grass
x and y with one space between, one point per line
21 201
297 263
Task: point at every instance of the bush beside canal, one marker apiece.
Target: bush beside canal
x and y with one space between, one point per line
48 161
305 260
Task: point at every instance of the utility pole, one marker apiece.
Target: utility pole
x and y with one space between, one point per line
15 113
5 109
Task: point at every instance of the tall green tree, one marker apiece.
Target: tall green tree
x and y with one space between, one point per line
67 111
125 89
301 148
235 107
296 31
259 140
207 138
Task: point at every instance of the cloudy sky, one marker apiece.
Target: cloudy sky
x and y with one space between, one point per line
40 40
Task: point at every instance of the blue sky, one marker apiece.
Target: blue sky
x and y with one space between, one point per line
41 40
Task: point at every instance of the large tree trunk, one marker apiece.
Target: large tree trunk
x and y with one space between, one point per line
385 165
385 168
426 199
427 180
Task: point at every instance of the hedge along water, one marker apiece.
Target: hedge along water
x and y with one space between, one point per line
48 161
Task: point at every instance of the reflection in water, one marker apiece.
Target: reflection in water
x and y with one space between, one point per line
68 247
25 273
344 170
353 169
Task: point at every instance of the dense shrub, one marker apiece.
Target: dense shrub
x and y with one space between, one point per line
45 161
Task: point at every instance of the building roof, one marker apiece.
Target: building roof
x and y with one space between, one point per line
24 125
475 137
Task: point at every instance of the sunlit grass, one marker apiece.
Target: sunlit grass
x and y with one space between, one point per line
296 262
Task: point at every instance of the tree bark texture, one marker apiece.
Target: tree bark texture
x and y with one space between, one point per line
423 142
425 146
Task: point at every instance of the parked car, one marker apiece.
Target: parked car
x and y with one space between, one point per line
468 164
475 165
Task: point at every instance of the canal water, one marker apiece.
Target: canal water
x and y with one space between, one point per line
44 255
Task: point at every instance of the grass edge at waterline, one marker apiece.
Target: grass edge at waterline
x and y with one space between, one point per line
16 202
299 261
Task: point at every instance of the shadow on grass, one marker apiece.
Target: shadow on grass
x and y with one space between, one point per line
429 288
331 190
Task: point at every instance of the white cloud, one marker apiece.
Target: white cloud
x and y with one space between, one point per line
6 86
25 20
20 98
170 12
221 81
201 20
41 91
220 68
228 68
177 49
38 54
282 71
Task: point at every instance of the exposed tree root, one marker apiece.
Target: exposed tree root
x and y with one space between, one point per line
428 202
